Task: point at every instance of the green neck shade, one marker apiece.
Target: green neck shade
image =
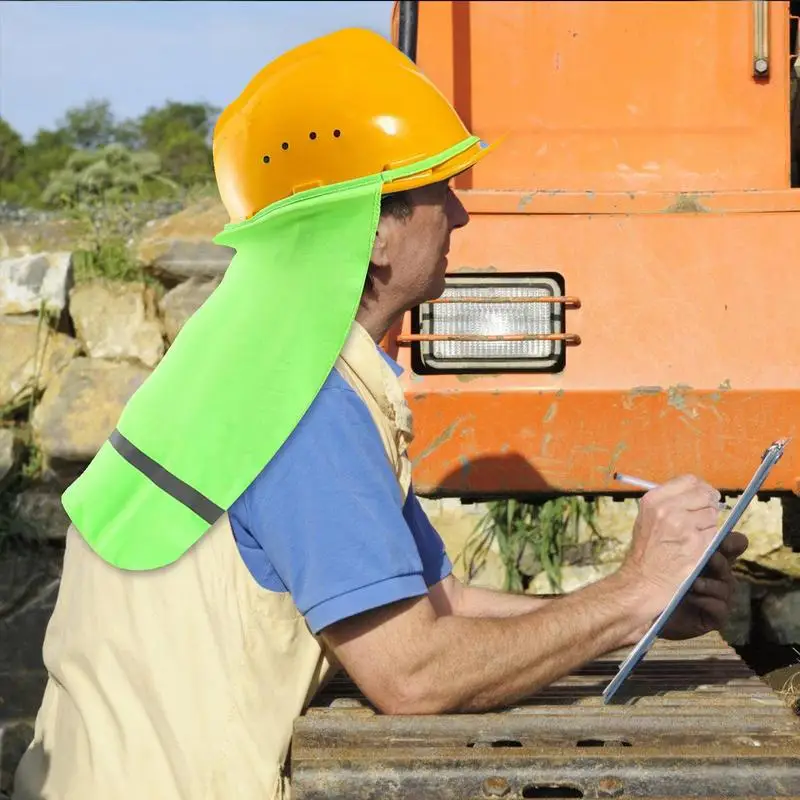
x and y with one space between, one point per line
238 378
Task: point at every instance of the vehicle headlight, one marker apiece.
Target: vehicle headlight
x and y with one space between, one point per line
514 323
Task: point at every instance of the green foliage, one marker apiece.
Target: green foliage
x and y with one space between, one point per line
11 410
110 174
11 150
102 190
530 538
166 151
105 255
103 172
17 415
180 134
106 230
90 126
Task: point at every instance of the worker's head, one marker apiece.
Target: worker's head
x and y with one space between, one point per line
339 108
344 140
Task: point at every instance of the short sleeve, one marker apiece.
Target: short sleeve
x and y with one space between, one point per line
328 514
436 564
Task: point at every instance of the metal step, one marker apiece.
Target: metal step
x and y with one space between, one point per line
693 721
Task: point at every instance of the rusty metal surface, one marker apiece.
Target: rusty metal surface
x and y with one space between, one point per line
569 302
569 338
692 721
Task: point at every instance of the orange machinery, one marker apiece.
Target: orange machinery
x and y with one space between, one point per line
639 219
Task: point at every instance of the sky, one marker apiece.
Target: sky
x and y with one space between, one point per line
57 55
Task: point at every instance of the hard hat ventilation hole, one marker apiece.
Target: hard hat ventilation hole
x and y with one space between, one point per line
312 135
337 133
265 159
285 146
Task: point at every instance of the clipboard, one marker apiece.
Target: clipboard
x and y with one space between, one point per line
771 457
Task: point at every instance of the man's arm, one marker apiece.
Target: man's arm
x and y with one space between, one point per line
408 658
705 608
451 596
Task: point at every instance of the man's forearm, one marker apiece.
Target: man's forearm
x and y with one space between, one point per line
474 601
473 664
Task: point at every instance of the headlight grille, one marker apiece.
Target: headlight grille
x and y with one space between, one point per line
495 323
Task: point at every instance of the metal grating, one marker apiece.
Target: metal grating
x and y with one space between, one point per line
692 721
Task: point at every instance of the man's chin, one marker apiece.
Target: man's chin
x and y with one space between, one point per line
439 285
433 291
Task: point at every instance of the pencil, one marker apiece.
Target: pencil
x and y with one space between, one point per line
640 483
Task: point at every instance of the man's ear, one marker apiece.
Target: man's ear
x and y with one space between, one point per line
380 247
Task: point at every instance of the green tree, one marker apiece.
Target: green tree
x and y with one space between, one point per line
110 174
15 186
159 124
180 134
44 171
12 152
47 153
89 126
127 133
27 168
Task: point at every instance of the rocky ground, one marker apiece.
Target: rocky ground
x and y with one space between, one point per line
70 369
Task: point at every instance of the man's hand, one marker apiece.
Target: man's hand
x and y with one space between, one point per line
675 524
707 605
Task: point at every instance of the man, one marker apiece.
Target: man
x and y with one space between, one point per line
251 524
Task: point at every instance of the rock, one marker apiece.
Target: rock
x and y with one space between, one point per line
29 580
39 514
614 520
572 578
34 232
737 629
181 246
180 303
781 614
180 260
20 357
8 453
490 575
762 523
14 740
455 523
27 281
117 320
81 407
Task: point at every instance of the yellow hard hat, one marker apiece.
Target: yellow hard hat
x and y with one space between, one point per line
344 106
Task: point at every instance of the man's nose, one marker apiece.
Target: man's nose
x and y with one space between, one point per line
456 213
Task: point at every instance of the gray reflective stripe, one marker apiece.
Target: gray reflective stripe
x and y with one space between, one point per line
165 480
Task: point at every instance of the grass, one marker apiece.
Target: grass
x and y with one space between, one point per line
530 538
17 415
111 259
790 691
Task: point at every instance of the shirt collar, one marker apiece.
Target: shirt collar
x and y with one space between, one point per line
393 365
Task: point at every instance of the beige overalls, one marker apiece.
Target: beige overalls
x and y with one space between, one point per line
184 682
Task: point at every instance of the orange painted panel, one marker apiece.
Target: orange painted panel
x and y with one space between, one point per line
689 357
614 96
647 166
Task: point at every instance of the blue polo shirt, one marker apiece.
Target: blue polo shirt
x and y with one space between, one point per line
325 519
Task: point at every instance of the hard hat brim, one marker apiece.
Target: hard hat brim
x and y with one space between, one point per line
442 172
